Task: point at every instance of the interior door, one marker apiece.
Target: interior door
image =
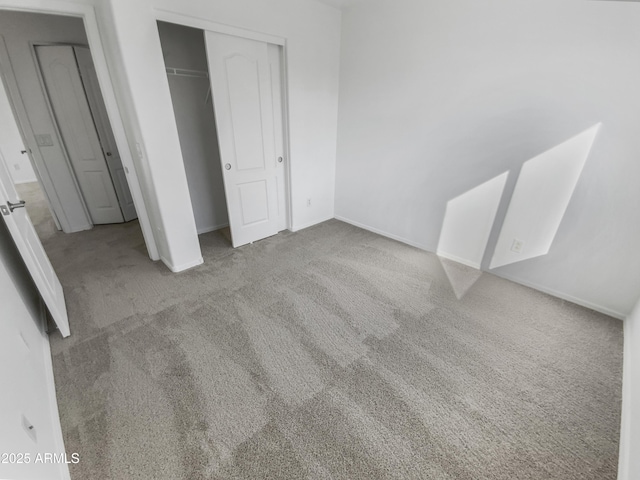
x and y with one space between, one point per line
103 127
71 109
25 237
243 103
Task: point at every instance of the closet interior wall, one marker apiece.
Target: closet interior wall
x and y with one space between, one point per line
185 58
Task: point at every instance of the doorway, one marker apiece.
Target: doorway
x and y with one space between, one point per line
71 87
52 83
231 127
36 119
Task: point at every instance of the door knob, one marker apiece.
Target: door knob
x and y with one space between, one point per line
279 159
108 154
13 206
227 166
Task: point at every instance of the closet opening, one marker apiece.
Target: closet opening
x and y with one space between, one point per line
227 95
185 59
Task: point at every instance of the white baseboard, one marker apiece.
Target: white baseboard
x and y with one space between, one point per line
297 228
564 296
83 228
625 458
183 267
383 233
456 259
52 399
20 182
555 293
212 229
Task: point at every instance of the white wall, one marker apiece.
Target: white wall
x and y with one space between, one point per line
629 466
468 221
18 30
540 199
131 39
439 97
25 372
312 31
183 48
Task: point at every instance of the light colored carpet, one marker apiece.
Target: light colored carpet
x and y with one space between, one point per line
328 353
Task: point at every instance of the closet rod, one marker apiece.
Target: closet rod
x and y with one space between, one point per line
183 72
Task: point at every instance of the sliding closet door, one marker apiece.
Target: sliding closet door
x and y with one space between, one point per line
275 64
71 110
103 127
240 77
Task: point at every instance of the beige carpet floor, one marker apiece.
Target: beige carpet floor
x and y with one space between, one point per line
331 353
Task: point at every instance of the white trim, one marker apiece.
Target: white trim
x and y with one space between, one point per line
202 24
88 15
119 132
297 228
562 296
624 457
20 182
457 259
54 413
286 135
550 291
212 229
183 267
421 246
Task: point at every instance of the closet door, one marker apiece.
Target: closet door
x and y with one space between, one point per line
103 127
71 110
243 103
275 63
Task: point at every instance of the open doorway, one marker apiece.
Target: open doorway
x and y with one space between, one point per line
75 167
53 109
231 127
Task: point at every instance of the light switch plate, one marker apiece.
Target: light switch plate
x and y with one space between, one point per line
44 140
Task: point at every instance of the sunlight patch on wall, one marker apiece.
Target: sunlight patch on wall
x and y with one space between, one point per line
465 232
540 200
468 220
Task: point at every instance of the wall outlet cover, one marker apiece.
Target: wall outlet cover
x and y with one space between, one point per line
517 245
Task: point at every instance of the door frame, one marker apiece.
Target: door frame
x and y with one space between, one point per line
203 24
88 16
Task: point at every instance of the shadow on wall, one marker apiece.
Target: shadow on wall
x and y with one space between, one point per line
535 211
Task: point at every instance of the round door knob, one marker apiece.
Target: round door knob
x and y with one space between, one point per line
227 166
108 154
279 159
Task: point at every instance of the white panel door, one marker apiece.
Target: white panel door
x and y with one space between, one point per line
27 241
71 109
103 126
243 103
